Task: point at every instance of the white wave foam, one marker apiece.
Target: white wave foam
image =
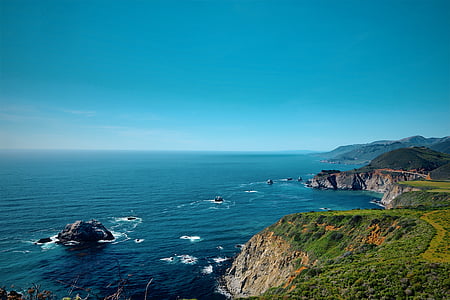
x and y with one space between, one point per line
207 270
119 237
221 289
72 243
128 219
251 191
220 247
187 259
377 202
138 241
191 238
126 223
168 259
219 260
50 245
22 251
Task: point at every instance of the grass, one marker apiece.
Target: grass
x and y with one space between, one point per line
368 254
429 185
439 248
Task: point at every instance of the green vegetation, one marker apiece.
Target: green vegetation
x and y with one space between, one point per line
429 185
368 254
421 199
415 158
401 253
363 153
441 173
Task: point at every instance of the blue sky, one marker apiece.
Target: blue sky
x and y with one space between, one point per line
222 74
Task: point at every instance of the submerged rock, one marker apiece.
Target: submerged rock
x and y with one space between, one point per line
44 240
84 232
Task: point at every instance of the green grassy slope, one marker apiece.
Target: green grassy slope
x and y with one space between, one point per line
441 173
368 254
363 153
408 159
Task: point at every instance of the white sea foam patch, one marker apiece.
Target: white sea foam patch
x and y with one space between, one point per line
50 245
184 259
194 238
187 259
127 223
219 260
22 251
119 237
221 289
207 270
252 191
168 259
138 241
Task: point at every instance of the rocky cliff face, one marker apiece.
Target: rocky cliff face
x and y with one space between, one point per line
393 191
377 181
266 261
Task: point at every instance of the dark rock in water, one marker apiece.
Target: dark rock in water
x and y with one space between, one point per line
84 232
44 241
131 218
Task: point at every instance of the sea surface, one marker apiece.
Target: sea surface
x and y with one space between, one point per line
179 240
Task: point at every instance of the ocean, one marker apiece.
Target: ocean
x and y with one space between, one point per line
179 240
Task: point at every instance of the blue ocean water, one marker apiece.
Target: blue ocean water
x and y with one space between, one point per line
180 239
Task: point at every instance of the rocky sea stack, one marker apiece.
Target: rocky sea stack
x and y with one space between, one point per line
84 232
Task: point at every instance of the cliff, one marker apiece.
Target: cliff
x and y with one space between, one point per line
359 254
380 181
266 260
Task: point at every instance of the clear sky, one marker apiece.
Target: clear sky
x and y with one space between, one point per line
222 74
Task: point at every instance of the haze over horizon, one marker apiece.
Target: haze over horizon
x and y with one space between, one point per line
222 75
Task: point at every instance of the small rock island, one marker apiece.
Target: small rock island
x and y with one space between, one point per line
84 232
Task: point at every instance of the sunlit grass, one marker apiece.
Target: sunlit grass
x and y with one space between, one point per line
439 248
430 185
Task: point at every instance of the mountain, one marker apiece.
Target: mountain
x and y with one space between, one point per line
363 153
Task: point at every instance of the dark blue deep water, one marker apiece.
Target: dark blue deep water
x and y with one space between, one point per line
169 193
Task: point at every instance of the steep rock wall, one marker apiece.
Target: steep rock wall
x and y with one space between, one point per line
393 191
376 181
266 261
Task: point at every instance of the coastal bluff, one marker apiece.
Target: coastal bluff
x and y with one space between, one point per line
357 254
379 181
266 260
384 172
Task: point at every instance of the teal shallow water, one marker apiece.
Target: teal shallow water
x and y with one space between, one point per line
170 193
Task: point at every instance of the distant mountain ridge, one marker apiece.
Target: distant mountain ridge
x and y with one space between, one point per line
364 153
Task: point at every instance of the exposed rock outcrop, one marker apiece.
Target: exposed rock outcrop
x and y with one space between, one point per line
84 232
380 181
393 191
266 261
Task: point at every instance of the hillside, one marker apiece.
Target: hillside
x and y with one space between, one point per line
385 171
358 254
400 253
363 153
415 158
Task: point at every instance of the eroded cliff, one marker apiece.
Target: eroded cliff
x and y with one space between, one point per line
266 261
359 254
380 181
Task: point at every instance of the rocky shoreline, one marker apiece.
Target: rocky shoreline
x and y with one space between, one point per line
379 181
